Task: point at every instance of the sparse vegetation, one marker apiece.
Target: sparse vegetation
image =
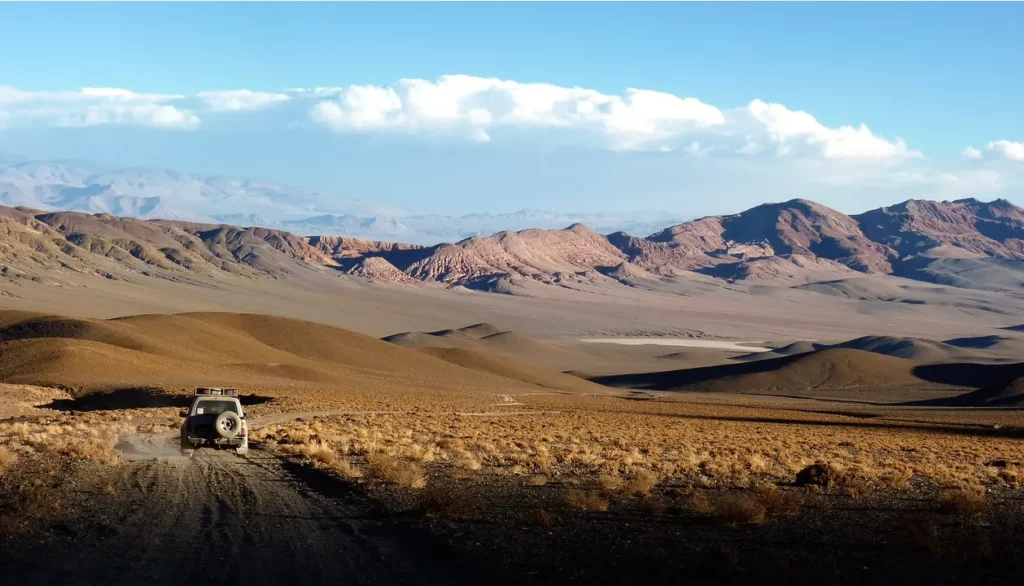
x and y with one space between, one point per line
775 501
740 509
610 482
698 503
7 460
641 483
395 471
585 500
961 502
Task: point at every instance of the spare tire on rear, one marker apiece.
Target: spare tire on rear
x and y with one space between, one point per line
228 424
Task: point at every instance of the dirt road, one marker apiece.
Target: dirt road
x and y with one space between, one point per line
220 518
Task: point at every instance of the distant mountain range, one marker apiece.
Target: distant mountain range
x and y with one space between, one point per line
799 243
966 243
83 186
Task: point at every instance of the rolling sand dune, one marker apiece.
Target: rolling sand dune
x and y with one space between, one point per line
981 349
911 348
824 369
244 350
1002 385
492 364
1002 345
490 339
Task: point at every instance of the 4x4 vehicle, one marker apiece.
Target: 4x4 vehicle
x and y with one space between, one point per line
215 419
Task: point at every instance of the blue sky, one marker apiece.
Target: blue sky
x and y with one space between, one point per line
940 77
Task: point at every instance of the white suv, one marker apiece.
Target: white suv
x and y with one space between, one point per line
215 419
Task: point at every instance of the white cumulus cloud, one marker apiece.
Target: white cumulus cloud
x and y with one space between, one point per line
1006 149
240 100
971 153
996 150
637 119
472 106
92 106
796 129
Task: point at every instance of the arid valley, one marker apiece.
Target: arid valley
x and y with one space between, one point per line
785 394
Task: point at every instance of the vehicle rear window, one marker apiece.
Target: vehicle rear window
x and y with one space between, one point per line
215 407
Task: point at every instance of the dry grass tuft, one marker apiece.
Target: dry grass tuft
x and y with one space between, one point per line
740 509
586 501
641 483
777 502
699 503
7 460
538 480
347 469
610 482
319 454
855 488
960 502
389 469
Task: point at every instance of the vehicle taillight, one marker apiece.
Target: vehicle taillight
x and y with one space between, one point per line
245 431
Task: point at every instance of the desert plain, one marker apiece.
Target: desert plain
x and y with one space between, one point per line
418 419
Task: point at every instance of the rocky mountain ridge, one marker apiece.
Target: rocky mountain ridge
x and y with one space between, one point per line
965 243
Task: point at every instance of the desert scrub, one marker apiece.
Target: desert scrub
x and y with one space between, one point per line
960 501
387 468
641 483
7 460
740 509
585 500
319 454
610 482
776 502
604 438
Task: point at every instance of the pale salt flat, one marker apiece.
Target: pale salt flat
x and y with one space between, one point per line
687 342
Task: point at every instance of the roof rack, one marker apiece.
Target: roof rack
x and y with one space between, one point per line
217 391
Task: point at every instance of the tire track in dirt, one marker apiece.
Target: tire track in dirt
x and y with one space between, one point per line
249 520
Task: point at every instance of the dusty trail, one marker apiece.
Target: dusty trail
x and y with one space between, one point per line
221 517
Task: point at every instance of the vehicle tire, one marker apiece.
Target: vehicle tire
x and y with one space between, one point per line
242 450
228 424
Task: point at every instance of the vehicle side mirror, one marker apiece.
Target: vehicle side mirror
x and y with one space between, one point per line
183 413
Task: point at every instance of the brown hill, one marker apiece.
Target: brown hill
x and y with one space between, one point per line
824 369
497 365
375 268
1009 394
796 227
339 247
966 243
915 227
535 254
489 339
995 345
792 269
1001 385
245 350
40 245
917 349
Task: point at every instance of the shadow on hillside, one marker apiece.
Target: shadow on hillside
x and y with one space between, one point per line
137 398
970 374
688 376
